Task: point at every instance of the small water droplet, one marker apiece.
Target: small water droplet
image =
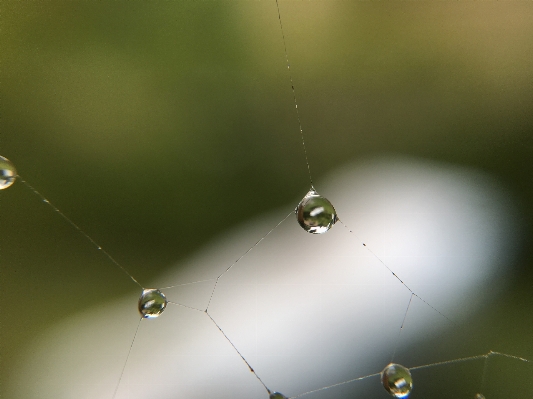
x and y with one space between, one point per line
315 213
277 395
8 173
480 396
397 380
152 303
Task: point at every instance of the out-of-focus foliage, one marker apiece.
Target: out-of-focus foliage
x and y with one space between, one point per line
157 125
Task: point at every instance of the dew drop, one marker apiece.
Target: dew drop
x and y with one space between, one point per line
152 303
8 173
397 380
277 395
480 396
315 213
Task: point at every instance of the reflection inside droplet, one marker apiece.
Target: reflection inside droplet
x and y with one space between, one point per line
397 380
315 213
8 173
152 303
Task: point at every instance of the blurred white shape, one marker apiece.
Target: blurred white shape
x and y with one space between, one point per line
305 310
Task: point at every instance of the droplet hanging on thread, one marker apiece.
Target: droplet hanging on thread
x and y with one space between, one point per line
8 173
277 395
152 303
397 380
315 213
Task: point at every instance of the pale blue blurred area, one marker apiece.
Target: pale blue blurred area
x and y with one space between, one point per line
159 126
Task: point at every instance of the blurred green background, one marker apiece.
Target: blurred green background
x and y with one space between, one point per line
157 125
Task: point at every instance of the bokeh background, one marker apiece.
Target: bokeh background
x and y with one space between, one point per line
156 126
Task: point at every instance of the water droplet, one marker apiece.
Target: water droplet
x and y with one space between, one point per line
397 380
315 213
480 396
277 395
152 303
8 173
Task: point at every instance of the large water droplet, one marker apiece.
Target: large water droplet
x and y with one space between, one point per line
480 396
315 213
397 380
152 303
8 173
277 395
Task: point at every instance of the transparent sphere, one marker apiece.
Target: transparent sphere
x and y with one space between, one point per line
315 213
8 173
397 380
152 303
277 395
480 396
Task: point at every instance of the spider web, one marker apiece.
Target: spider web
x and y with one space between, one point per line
264 307
254 273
